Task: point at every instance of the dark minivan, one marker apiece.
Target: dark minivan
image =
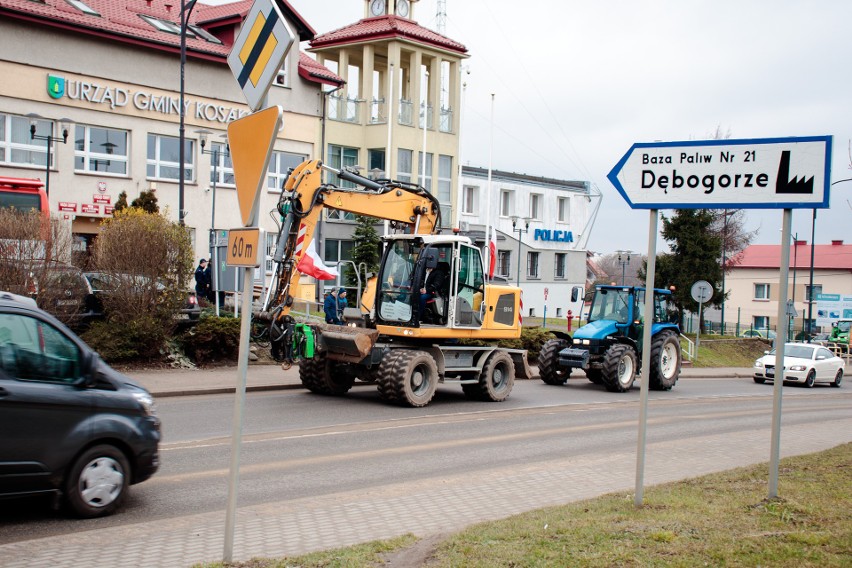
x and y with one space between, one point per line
69 424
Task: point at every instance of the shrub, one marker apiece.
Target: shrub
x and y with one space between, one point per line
146 261
532 338
212 339
138 339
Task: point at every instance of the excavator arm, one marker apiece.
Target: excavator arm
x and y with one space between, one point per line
410 209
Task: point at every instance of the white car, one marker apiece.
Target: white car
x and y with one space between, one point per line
803 363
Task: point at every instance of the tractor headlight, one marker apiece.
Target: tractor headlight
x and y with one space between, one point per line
585 342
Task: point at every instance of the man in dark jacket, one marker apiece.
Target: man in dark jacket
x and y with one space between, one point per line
436 284
330 308
202 281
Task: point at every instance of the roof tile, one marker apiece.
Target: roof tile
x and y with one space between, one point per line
389 26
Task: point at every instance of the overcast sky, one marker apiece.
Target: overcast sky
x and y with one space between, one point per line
577 83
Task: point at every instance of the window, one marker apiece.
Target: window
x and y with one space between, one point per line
165 26
445 178
504 261
83 7
559 269
17 148
221 167
506 200
279 166
164 158
532 264
469 199
760 322
271 242
761 291
101 150
403 166
816 292
563 206
282 79
340 157
205 35
535 206
31 349
427 182
376 163
335 251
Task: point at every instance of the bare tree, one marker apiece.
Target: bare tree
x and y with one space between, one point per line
615 268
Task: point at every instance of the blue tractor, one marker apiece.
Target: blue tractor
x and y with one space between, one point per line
609 347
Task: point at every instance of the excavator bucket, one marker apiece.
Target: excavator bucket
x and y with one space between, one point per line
349 344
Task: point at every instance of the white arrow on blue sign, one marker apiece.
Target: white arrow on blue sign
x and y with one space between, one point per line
768 173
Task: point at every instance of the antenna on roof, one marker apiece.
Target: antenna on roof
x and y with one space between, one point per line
441 17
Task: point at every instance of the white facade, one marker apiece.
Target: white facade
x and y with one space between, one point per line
540 221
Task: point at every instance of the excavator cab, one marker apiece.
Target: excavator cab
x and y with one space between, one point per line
430 281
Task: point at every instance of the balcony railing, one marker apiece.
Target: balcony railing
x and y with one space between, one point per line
406 112
344 109
378 111
446 124
428 115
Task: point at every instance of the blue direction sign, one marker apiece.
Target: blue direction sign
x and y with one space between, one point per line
768 173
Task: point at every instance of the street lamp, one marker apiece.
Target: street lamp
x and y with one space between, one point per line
520 231
185 11
624 259
64 125
214 249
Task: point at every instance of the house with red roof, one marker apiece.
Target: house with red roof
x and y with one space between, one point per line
98 81
754 276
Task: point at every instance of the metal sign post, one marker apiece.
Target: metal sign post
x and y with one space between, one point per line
701 292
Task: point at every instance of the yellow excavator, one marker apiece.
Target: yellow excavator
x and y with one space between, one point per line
404 340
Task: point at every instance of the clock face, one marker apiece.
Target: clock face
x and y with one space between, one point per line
402 8
377 7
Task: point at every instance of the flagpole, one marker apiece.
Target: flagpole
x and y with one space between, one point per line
488 194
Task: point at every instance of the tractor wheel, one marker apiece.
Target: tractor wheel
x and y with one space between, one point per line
497 378
408 378
594 375
548 362
665 362
320 376
619 368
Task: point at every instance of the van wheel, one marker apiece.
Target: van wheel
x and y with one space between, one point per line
98 481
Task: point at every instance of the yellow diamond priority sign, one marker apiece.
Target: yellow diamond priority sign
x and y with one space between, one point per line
259 50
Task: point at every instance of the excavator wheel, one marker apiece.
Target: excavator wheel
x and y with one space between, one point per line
497 377
665 361
319 376
548 362
408 378
619 368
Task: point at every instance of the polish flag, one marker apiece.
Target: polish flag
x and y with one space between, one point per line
492 251
312 265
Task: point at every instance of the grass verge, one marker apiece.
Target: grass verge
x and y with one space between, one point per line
728 352
717 520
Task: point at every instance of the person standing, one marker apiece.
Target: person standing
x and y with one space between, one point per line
208 280
330 308
342 303
202 282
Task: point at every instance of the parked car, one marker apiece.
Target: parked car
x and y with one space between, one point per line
804 363
102 283
761 333
821 338
70 425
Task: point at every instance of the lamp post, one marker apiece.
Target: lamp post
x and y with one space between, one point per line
792 319
624 260
214 249
811 284
64 125
185 11
520 231
724 261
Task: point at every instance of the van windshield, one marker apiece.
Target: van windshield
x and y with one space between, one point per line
20 200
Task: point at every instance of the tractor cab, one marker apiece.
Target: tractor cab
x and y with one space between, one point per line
434 281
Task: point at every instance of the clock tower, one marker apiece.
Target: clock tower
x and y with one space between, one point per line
401 8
